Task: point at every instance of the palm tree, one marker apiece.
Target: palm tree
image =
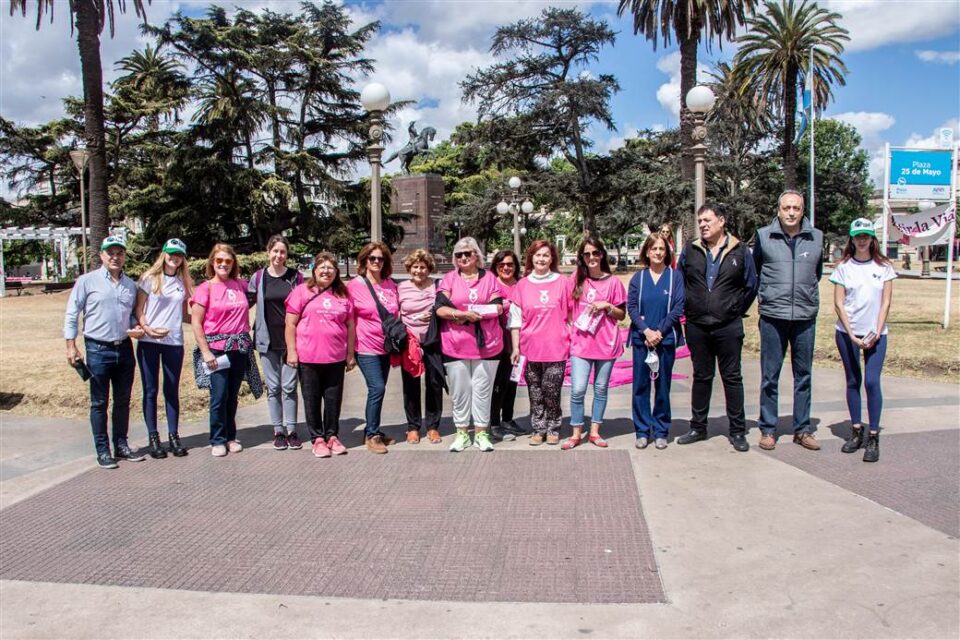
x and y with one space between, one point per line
89 18
774 56
155 81
688 20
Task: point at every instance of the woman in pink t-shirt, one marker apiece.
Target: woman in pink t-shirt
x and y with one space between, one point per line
417 297
320 336
374 266
220 317
599 303
539 324
469 304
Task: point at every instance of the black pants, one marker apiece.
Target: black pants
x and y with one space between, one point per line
712 347
504 392
322 389
433 397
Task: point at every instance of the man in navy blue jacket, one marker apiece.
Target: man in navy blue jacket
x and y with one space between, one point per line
720 283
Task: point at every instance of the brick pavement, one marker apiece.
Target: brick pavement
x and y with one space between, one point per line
411 525
917 475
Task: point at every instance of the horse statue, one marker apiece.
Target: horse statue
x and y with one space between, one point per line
418 145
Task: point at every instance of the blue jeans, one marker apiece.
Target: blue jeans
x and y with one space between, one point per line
579 378
224 396
375 370
151 357
110 366
873 363
775 335
657 422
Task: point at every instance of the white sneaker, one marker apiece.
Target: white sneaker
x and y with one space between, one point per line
218 450
460 442
234 446
661 443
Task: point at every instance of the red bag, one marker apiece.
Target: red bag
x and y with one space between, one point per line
412 357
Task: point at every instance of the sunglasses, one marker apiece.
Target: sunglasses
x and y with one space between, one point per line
223 261
593 254
375 258
462 254
504 265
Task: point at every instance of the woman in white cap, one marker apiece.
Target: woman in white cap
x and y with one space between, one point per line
862 295
161 309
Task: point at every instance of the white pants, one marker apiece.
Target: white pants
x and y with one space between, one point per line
471 386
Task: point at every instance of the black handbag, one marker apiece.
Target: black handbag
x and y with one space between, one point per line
394 331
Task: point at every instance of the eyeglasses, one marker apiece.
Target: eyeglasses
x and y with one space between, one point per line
462 254
504 265
593 254
223 261
375 258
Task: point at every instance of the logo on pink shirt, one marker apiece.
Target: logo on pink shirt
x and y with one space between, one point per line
544 297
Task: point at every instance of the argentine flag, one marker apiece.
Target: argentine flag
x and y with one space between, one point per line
806 112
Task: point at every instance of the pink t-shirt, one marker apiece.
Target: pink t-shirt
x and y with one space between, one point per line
460 340
369 327
414 302
605 344
322 329
226 305
544 307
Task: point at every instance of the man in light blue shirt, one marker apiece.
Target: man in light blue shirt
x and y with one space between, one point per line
106 298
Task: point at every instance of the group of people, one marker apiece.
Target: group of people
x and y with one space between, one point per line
477 332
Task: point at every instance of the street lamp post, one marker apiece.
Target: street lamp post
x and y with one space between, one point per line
700 100
518 202
375 98
80 158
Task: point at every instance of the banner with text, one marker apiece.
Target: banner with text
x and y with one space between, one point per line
928 227
919 175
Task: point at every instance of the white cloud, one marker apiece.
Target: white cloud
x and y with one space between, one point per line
617 141
668 94
874 23
932 141
941 57
870 125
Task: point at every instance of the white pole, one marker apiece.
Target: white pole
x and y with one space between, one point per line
950 241
3 273
813 118
886 195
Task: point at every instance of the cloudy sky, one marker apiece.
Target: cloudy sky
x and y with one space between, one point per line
903 59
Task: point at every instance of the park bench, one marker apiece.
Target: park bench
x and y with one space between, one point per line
13 285
53 287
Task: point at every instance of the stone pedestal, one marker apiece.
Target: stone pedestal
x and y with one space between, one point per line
420 197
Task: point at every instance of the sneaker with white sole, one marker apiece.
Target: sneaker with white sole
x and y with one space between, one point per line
460 442
336 447
661 443
320 449
218 450
482 441
234 446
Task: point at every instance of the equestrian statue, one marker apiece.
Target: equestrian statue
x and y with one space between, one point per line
419 144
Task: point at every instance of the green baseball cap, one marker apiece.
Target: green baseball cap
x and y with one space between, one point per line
861 226
175 245
113 241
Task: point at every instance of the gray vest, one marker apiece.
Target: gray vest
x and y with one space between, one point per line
788 279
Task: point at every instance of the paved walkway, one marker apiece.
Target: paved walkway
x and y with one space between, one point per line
696 541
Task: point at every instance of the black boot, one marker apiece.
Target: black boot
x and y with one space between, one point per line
854 442
156 448
177 449
872 451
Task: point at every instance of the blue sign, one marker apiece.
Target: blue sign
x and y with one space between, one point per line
920 175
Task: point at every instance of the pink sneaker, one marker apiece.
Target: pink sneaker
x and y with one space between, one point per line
234 446
320 449
336 447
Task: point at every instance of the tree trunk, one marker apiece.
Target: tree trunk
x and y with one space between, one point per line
88 41
688 80
583 172
789 118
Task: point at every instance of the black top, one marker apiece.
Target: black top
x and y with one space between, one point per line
275 292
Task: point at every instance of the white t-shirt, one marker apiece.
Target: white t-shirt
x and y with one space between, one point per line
863 293
165 309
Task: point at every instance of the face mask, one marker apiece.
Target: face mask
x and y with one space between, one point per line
653 363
